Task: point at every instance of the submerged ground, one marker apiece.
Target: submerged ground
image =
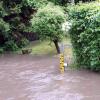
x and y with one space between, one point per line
26 77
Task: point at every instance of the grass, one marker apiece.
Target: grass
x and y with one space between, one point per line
46 48
43 48
40 48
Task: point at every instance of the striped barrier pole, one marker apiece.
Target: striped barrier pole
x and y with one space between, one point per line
62 67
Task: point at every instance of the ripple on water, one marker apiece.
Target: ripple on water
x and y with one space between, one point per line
11 98
66 78
56 96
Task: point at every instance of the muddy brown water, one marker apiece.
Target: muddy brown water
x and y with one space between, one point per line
26 77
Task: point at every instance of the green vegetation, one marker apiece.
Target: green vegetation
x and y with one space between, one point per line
1 50
66 2
14 18
85 34
46 48
43 48
40 48
48 24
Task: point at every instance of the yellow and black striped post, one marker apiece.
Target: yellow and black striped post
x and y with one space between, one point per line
62 69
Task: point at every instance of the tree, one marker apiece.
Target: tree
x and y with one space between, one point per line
15 16
48 24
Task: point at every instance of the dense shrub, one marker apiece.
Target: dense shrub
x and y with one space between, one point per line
15 16
1 50
55 1
35 3
85 34
4 28
23 42
10 46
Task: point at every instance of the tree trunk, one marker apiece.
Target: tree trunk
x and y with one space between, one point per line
57 46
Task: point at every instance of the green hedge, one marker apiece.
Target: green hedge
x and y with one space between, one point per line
85 34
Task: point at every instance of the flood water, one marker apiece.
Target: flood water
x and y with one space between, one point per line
25 77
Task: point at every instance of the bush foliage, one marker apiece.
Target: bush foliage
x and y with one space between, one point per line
10 45
85 34
47 22
14 19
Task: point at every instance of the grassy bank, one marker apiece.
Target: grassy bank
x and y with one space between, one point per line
45 48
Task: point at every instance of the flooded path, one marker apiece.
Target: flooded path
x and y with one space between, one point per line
24 77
